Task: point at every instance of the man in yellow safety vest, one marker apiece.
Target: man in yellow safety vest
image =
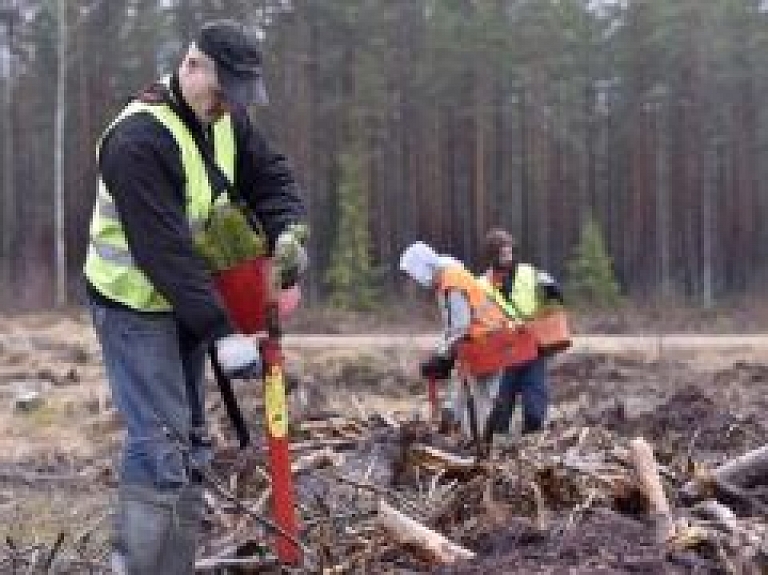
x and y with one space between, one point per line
521 289
184 144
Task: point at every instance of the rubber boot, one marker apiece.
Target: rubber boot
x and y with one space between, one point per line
156 531
185 532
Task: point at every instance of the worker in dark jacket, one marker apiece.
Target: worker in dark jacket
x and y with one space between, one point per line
521 289
183 144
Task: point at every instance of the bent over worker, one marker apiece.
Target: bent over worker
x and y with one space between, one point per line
467 311
181 145
521 289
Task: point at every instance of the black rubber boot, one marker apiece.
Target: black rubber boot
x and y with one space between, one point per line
185 533
156 531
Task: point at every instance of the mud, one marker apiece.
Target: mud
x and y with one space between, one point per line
602 541
56 467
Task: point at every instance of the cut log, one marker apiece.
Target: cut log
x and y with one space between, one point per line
326 457
410 532
313 444
437 460
644 463
541 517
735 495
216 564
715 511
331 426
731 481
746 470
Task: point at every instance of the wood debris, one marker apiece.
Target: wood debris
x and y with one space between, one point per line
384 492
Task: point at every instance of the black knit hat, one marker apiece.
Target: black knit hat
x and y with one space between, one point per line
238 61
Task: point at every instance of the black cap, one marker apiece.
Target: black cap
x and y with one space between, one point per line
238 61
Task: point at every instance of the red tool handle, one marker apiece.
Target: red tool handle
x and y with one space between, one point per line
283 501
275 406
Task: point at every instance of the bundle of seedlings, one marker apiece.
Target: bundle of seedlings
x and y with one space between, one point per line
229 239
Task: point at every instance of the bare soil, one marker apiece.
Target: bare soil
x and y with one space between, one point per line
57 460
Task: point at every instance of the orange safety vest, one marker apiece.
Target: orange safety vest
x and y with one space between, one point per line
486 315
494 341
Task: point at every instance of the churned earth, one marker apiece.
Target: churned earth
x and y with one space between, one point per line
705 402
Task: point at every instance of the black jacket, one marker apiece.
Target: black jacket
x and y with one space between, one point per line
140 164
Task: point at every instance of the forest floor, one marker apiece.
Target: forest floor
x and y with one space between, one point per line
59 435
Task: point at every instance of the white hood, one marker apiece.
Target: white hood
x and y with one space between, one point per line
420 261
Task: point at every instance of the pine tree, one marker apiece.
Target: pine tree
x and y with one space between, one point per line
351 276
590 277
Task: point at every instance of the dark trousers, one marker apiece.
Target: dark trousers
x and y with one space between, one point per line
155 374
530 383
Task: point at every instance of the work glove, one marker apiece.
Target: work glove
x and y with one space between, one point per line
549 287
437 366
238 356
290 255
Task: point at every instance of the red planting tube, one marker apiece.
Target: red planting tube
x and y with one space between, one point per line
283 501
255 304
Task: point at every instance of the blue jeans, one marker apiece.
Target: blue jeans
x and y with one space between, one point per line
530 383
155 372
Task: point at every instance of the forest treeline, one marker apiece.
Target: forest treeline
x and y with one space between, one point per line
427 119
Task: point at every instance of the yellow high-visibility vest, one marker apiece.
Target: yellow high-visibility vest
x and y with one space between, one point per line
524 302
109 265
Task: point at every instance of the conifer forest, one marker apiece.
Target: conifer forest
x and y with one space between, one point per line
426 120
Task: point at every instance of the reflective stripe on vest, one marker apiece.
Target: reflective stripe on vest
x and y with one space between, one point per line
107 210
114 254
486 314
523 302
109 265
